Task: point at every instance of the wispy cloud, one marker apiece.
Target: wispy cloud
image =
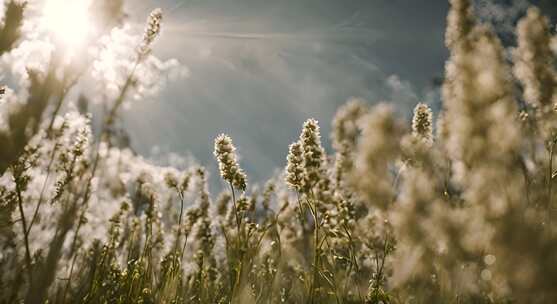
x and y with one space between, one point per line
259 69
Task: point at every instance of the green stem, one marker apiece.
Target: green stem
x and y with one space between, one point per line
25 236
239 244
179 232
550 181
41 195
314 212
120 99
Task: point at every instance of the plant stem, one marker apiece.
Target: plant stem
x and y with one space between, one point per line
550 180
315 214
179 233
235 208
60 101
72 252
25 236
41 196
302 213
120 99
239 244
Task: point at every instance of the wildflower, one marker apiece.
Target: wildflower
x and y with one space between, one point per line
460 23
534 68
294 168
345 123
533 59
81 141
441 129
376 150
171 180
228 163
313 154
204 236
204 200
413 219
192 216
268 191
243 204
344 138
152 30
422 123
222 203
484 142
482 112
185 182
343 164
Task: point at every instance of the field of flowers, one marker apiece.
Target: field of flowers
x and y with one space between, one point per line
456 207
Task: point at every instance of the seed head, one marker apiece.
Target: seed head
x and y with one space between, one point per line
152 30
313 153
377 149
204 200
460 23
534 58
81 142
294 167
171 180
222 203
422 123
345 124
225 152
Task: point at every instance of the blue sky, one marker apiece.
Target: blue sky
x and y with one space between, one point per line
258 69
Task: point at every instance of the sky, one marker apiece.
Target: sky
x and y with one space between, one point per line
258 69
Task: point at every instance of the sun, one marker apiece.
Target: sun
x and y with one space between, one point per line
68 21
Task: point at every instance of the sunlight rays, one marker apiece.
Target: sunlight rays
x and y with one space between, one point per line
68 21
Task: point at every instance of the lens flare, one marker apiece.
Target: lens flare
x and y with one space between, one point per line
68 21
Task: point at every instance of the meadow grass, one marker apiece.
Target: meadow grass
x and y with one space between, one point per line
453 209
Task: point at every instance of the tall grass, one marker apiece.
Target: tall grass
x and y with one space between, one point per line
397 213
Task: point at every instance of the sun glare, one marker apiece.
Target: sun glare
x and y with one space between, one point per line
68 21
